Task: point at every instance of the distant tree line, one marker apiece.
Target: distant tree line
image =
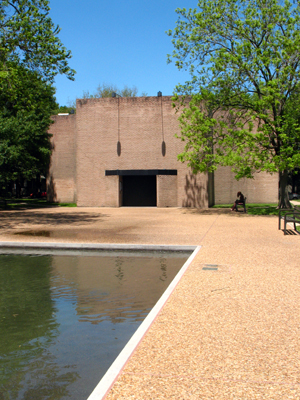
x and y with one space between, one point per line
103 90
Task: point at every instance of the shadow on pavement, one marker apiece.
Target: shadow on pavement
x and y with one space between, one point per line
216 211
13 219
290 232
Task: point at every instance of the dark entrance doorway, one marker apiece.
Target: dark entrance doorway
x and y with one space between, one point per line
139 190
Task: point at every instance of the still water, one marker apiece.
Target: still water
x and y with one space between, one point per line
64 319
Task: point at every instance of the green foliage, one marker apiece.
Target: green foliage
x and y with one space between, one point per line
67 204
24 121
31 54
255 208
106 90
24 204
65 109
243 57
29 38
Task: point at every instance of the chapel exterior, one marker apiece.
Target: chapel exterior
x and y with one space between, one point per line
123 152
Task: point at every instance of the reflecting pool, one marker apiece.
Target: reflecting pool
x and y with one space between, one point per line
64 319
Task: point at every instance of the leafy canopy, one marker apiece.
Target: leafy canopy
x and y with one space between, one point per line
25 148
106 90
243 57
103 90
29 38
31 54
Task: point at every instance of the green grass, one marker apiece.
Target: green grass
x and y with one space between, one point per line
255 208
66 204
15 204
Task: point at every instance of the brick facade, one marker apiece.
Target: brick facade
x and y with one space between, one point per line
86 147
262 189
61 180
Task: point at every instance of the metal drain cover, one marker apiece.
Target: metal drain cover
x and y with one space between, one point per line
210 267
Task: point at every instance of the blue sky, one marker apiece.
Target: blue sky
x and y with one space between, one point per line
117 42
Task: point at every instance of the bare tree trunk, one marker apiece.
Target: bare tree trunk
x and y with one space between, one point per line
284 201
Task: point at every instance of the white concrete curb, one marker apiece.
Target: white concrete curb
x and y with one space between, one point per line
93 246
117 366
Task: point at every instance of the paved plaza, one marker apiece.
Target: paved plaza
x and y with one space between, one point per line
231 332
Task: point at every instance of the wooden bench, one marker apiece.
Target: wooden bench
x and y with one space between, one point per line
241 203
289 215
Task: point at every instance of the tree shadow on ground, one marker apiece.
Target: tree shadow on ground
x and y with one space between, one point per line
225 211
214 211
16 219
30 204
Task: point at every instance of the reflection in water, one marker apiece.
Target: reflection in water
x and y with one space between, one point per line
120 272
42 233
64 319
27 329
163 267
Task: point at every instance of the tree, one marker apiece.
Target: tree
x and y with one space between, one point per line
29 38
31 54
65 109
103 90
106 90
244 61
25 147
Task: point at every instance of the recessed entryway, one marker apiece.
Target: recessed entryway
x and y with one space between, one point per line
139 191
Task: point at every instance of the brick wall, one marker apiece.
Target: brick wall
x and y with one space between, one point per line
262 189
61 180
85 146
112 191
140 124
166 190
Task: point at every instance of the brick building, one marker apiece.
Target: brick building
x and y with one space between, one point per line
123 152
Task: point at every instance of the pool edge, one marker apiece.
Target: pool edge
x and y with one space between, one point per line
114 371
92 246
112 374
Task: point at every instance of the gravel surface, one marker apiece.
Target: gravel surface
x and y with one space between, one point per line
226 333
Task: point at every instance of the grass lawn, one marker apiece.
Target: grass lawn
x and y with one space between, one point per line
15 204
258 208
255 208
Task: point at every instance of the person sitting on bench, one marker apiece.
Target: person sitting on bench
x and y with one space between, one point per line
240 200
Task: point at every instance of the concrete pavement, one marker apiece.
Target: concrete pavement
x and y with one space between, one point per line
227 333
